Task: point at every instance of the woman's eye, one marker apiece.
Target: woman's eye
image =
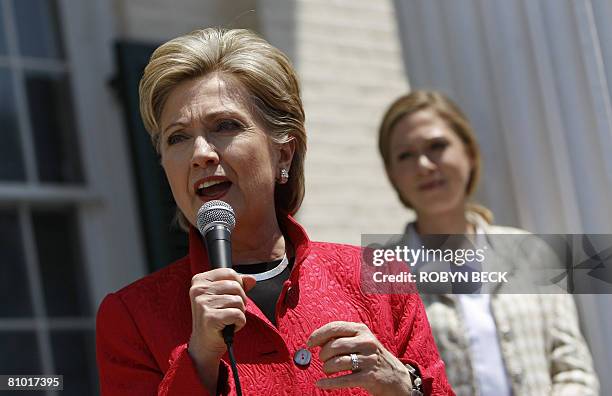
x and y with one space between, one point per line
176 138
228 125
405 155
438 146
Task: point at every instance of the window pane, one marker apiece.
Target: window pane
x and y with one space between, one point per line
57 148
14 288
61 267
11 162
19 353
2 32
74 356
38 28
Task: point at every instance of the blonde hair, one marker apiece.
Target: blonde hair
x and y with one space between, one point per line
265 72
450 113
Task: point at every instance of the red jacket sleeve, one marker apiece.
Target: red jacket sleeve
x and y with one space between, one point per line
127 366
416 345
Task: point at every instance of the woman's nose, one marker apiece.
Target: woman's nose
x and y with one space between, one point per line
425 164
204 153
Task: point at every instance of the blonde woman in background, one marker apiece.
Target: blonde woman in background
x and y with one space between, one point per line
493 344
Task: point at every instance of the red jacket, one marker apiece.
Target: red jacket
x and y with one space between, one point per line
143 329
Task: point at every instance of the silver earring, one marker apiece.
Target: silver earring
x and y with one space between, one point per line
284 176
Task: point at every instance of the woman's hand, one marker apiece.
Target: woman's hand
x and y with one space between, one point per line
218 299
379 372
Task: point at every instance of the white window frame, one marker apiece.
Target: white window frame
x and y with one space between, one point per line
110 235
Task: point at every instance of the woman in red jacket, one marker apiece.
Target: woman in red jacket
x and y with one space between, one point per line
224 113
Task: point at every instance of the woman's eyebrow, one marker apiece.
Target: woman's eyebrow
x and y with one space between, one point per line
173 124
211 115
401 147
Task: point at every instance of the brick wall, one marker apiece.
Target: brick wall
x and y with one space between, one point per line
160 20
349 61
348 57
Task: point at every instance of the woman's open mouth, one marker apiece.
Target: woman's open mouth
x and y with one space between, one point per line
212 188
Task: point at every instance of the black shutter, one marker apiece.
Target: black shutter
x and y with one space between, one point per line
164 241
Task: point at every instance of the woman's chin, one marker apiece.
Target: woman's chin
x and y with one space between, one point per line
436 207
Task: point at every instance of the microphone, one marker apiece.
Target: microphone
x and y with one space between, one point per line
215 221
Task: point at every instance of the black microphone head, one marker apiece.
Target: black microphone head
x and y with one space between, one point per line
215 212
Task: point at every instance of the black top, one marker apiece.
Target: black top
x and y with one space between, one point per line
265 293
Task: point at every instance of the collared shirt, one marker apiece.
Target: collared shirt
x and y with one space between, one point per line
487 361
543 349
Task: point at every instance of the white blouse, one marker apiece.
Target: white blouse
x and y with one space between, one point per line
485 352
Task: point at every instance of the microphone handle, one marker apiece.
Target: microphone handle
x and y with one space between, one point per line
228 334
218 241
219 248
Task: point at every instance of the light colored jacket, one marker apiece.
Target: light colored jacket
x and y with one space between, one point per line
543 350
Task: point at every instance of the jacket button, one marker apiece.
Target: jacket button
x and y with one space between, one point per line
517 375
453 338
288 294
506 332
291 297
302 357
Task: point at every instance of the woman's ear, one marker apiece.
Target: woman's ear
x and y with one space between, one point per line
471 155
286 151
391 175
